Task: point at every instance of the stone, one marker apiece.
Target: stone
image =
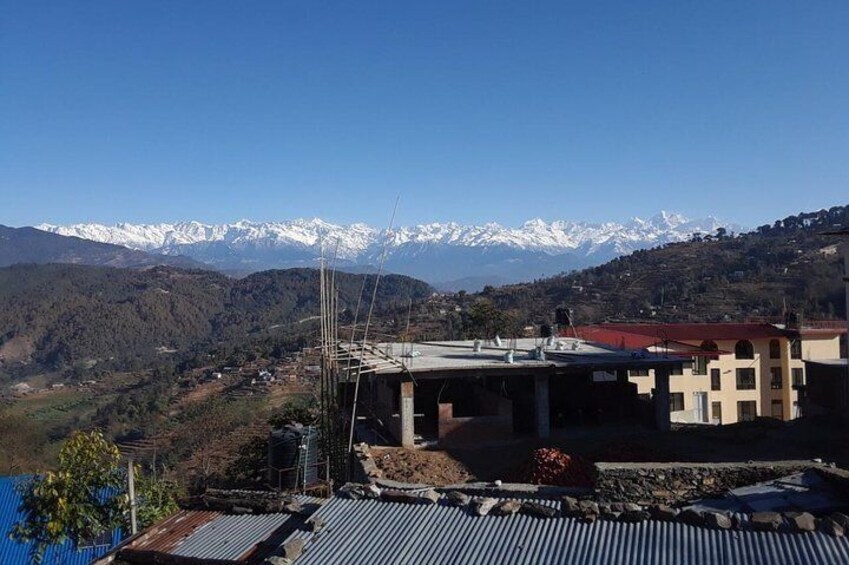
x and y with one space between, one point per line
482 506
429 496
241 510
315 524
634 516
609 515
631 507
589 518
291 506
766 521
801 521
506 508
663 512
277 560
830 526
371 491
292 549
691 517
351 491
588 507
457 498
399 496
569 507
841 519
614 507
717 520
538 510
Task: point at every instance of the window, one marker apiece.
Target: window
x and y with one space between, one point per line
715 380
774 349
639 372
676 401
677 369
746 379
747 410
777 409
716 412
744 350
700 364
796 349
798 376
709 345
775 380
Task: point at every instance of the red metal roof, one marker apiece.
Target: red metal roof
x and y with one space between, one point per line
699 332
628 340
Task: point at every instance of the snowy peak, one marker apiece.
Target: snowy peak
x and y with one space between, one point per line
354 239
437 249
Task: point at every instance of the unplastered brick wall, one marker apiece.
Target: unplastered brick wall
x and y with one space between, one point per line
677 483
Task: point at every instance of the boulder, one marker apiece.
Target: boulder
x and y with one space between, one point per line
429 496
766 521
371 491
569 507
292 549
315 524
830 526
631 507
801 521
609 515
457 498
588 507
536 509
291 506
506 508
482 506
716 520
663 513
351 491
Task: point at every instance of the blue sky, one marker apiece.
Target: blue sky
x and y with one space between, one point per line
150 111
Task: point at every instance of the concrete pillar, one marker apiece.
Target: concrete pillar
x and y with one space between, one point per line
661 399
407 414
542 405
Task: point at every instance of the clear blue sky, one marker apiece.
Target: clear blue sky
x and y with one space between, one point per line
151 110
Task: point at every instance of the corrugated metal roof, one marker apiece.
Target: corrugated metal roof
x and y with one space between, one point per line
375 532
12 552
230 537
221 537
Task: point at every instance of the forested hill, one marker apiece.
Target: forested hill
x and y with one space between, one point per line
786 264
53 316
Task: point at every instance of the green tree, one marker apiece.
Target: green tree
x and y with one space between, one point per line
77 502
86 497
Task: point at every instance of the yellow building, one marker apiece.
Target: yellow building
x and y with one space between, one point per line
729 372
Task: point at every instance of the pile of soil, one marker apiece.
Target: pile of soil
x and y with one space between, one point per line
420 466
550 466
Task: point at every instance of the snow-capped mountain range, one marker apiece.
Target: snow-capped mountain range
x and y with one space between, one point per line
445 254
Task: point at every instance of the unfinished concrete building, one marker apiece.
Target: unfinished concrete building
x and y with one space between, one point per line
464 392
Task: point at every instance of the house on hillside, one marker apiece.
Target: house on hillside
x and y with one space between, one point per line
727 372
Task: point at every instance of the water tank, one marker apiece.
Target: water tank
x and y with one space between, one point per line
293 457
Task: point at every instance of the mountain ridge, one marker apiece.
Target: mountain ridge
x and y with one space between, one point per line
438 252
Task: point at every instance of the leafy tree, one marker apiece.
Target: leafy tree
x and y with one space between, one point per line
85 497
79 501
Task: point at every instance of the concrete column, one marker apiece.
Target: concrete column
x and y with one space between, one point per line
407 414
661 399
542 405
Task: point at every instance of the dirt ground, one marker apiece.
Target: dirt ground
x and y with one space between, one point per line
762 440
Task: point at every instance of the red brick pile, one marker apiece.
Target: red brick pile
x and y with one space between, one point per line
550 466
